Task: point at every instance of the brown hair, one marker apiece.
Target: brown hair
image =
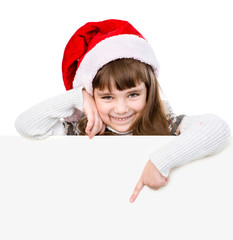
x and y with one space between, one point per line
127 73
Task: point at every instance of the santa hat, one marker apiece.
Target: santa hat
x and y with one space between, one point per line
97 43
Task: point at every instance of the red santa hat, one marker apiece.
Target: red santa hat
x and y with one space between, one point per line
97 43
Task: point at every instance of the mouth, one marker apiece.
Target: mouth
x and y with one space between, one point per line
121 119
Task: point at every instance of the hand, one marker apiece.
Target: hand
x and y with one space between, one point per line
150 177
95 124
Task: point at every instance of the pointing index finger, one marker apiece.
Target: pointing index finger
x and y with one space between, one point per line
137 190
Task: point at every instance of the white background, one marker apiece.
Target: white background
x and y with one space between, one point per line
192 41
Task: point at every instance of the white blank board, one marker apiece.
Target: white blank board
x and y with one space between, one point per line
76 188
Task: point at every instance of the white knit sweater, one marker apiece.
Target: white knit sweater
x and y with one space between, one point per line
199 135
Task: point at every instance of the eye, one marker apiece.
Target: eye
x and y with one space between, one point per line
133 95
107 97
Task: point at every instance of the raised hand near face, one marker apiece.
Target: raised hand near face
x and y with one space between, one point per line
95 124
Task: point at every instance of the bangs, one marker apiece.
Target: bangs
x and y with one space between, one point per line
121 73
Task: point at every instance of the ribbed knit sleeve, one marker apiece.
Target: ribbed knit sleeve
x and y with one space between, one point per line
44 119
199 136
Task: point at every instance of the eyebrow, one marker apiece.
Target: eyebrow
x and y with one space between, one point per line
130 91
136 90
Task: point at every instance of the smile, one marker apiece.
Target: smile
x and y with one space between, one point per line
122 119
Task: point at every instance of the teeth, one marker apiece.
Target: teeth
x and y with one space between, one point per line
121 119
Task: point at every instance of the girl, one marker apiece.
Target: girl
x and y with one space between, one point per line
110 73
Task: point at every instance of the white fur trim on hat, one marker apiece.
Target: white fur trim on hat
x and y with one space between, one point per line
112 48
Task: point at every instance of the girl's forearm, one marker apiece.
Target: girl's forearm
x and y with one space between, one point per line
44 119
200 136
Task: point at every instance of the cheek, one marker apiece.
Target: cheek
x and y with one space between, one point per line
102 109
140 105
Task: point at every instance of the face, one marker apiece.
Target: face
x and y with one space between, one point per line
119 109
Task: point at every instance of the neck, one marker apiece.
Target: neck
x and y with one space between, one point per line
121 133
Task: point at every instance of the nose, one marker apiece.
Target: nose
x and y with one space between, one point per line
121 107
